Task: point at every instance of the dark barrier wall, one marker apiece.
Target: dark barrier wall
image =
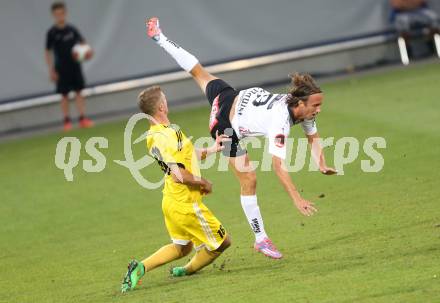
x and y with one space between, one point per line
212 30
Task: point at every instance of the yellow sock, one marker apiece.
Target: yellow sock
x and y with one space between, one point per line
164 255
202 258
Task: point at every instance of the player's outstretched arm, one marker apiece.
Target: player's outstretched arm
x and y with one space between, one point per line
202 153
305 207
318 155
186 60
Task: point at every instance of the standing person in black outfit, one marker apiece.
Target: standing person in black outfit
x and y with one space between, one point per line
63 69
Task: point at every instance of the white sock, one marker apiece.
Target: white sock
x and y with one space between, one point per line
186 60
253 215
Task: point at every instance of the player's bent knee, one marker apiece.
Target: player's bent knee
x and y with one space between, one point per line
253 178
184 250
249 182
187 249
201 73
201 76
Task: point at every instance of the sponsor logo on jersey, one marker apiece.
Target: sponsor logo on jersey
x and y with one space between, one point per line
244 101
280 140
214 111
243 131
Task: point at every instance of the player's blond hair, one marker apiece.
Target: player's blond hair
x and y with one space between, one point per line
303 86
149 99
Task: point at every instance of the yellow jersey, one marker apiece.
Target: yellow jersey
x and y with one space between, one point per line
169 145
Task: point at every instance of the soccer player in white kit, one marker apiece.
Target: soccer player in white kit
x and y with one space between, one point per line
255 112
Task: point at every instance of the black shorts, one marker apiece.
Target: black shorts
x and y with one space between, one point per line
221 98
69 79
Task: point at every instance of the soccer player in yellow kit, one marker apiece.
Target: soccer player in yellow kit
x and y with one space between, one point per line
189 222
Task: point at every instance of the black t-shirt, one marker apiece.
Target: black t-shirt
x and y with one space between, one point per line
61 41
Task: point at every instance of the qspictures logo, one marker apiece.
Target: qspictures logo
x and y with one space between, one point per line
346 151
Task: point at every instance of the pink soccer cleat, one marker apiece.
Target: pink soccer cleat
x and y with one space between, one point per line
153 29
267 248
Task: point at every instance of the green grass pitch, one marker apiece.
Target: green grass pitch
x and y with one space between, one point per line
376 237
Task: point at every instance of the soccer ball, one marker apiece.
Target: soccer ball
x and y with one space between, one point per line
82 52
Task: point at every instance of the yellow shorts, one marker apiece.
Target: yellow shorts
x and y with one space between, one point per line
192 222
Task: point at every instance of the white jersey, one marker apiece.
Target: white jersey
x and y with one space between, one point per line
261 113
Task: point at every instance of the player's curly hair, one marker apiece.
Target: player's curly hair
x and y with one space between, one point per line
303 86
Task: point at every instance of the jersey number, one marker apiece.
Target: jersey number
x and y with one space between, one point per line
259 101
221 231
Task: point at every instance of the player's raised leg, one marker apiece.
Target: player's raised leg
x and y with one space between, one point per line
186 61
247 177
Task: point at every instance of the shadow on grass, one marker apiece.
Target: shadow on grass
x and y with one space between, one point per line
210 272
